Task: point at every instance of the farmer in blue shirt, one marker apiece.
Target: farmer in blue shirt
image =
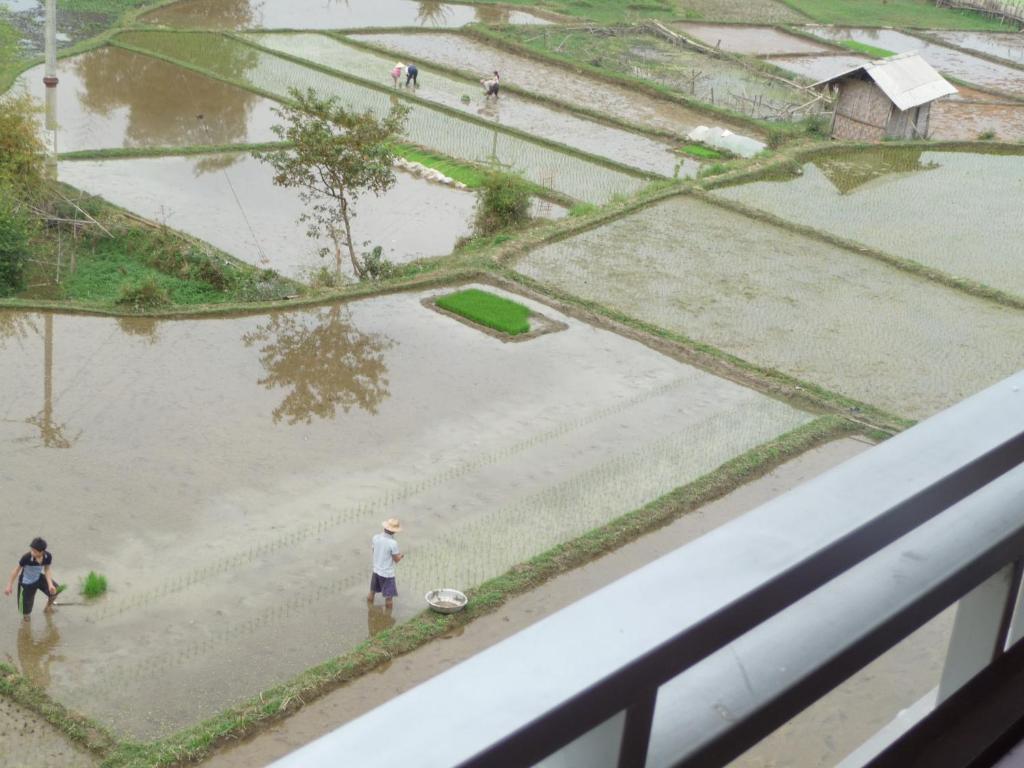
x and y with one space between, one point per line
385 555
411 73
33 574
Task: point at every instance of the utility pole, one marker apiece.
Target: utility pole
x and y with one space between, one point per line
50 80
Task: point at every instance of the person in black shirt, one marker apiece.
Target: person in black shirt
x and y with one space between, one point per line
33 574
411 73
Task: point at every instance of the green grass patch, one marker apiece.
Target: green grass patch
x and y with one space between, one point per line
489 310
702 152
867 50
94 585
919 14
469 175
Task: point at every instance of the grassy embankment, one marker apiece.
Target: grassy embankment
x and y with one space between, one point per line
916 14
488 310
124 265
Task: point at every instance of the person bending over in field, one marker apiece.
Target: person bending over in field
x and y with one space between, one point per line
32 575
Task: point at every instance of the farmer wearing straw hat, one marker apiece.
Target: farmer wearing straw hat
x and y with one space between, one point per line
385 555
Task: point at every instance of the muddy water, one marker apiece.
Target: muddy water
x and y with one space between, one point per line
946 205
946 60
574 176
819 67
546 80
244 463
959 121
754 41
1005 45
112 98
27 740
777 299
329 14
511 110
230 201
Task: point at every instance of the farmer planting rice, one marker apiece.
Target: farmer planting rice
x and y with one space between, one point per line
33 574
385 556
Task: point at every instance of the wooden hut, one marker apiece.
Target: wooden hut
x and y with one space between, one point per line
886 99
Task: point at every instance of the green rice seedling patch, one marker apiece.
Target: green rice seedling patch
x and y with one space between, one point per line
868 50
699 150
487 309
94 584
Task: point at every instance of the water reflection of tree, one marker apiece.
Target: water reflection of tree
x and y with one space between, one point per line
163 100
849 170
213 14
433 13
16 325
143 327
326 365
492 15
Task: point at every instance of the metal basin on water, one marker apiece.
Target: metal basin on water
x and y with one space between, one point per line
446 600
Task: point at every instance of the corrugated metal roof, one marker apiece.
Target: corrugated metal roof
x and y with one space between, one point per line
907 79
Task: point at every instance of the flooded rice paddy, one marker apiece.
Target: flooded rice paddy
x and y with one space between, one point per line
1005 45
549 80
468 96
576 177
778 299
226 476
751 41
955 212
819 67
947 60
257 222
113 98
329 14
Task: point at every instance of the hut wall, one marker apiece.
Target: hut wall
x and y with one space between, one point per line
909 124
862 111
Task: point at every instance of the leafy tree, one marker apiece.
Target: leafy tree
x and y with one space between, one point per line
22 152
334 156
15 240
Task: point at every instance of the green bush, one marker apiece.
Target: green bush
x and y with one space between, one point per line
94 585
22 152
375 266
15 242
503 203
144 294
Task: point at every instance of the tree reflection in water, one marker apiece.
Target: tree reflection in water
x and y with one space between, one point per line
492 15
432 12
324 361
163 100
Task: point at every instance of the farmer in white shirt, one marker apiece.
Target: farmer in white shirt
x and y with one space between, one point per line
385 555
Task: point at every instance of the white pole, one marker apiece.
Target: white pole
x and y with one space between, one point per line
50 79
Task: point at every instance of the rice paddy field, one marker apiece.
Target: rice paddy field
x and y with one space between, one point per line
752 41
111 98
957 212
1005 45
787 302
467 96
259 222
235 61
757 11
719 81
546 79
284 440
315 14
949 61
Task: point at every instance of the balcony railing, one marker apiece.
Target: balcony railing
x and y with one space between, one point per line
694 658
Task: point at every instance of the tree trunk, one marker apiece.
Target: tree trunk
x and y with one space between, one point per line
348 241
